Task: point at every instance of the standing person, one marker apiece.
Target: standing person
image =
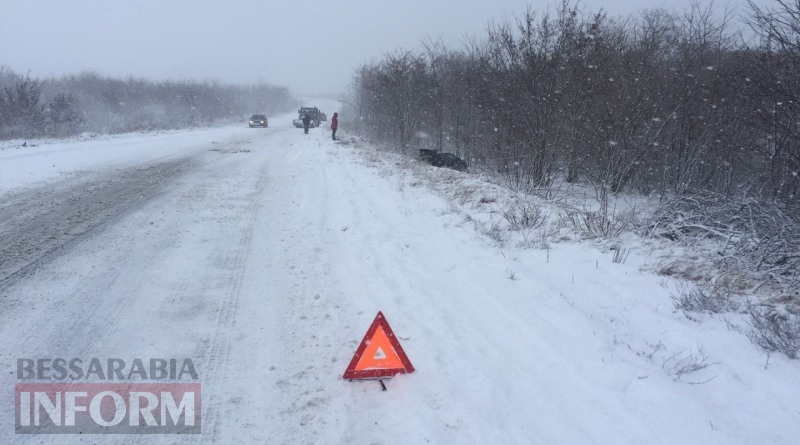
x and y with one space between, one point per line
334 124
306 122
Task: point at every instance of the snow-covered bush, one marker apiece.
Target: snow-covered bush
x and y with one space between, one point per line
752 234
775 330
525 217
699 298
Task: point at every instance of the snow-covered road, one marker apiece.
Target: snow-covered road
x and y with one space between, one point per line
264 254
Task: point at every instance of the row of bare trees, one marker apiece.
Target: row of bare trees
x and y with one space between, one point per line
88 102
660 103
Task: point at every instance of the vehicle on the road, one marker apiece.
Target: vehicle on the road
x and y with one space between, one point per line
259 120
312 112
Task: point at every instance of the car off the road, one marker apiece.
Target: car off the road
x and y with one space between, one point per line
258 120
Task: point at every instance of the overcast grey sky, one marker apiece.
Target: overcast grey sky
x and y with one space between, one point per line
308 45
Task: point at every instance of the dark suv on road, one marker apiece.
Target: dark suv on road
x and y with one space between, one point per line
258 120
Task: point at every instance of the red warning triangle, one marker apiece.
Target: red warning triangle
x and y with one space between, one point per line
379 354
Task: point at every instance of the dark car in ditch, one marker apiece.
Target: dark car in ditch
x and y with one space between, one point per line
439 159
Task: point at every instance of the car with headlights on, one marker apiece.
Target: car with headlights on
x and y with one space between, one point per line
258 120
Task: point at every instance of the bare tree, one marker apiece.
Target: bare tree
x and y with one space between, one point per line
775 77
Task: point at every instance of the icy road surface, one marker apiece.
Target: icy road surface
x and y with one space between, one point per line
264 254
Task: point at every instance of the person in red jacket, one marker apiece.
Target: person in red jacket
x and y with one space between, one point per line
334 124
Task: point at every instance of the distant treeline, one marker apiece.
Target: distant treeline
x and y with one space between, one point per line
693 104
88 102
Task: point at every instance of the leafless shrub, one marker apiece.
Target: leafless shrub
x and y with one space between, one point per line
713 299
536 240
544 241
573 221
597 224
495 232
774 330
732 326
620 255
757 235
525 217
690 269
687 362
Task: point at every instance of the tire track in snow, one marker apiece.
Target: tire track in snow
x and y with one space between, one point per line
217 362
293 319
64 216
39 225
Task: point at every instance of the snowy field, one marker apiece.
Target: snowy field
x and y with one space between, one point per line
264 254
